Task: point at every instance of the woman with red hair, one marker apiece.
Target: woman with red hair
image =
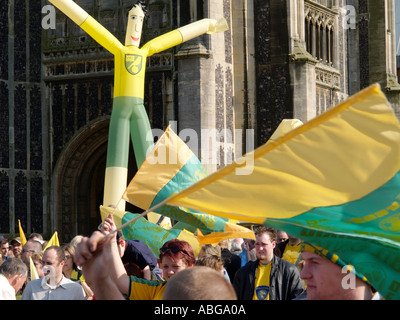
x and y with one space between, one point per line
175 255
105 273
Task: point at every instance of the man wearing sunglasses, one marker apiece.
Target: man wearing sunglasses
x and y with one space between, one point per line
29 248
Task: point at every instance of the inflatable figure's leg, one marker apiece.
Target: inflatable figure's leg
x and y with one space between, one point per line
117 155
128 118
143 142
142 137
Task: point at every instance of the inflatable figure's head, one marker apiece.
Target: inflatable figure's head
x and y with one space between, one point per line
135 25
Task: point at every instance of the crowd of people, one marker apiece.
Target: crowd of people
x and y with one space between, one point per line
105 266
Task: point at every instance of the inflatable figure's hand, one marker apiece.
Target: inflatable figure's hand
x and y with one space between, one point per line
218 26
200 27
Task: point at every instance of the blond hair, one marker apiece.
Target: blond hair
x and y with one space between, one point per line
211 261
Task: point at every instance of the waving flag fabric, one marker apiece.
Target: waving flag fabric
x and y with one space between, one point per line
32 269
151 234
285 127
169 168
53 241
21 233
333 181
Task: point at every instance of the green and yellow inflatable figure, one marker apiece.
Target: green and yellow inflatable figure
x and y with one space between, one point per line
128 117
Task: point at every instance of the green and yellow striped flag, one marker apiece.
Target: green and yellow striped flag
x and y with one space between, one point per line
169 168
151 234
333 182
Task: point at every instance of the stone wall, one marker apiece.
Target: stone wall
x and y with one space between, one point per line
274 98
22 171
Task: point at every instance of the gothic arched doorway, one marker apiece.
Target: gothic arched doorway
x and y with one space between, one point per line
78 181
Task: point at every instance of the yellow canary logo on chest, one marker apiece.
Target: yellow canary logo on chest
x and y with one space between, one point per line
133 63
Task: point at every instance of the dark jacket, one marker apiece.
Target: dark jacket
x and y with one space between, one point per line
232 262
285 282
281 248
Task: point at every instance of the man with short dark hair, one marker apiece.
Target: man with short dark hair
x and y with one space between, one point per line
269 277
54 286
5 247
139 253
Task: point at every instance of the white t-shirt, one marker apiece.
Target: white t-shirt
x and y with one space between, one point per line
7 292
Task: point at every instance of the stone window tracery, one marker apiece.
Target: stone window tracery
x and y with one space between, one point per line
319 32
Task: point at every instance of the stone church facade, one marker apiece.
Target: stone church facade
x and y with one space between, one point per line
280 59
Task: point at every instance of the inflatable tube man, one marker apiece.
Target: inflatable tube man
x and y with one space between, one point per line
128 117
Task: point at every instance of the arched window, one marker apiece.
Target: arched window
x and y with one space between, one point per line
328 44
331 57
320 43
319 39
308 34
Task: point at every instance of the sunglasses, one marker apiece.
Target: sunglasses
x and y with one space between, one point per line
172 249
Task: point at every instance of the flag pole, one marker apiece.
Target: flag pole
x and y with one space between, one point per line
112 213
115 206
134 219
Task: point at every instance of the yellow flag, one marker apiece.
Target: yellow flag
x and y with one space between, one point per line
285 127
21 233
53 241
337 157
333 182
34 273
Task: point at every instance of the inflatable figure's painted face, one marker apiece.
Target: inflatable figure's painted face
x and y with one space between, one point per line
135 25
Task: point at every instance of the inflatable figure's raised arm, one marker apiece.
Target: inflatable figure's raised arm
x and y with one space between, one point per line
185 33
71 10
200 27
87 23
